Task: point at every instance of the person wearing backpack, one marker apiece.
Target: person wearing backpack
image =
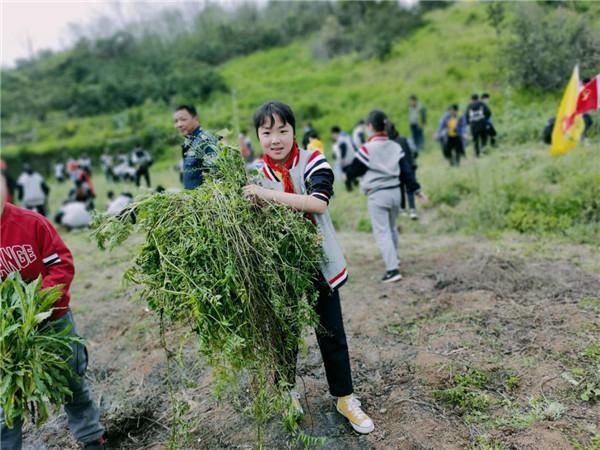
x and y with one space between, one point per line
477 116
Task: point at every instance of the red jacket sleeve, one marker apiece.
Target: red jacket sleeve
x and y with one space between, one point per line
57 258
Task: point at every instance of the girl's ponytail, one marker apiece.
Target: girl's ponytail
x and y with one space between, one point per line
378 120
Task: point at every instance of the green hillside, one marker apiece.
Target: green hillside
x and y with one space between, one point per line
453 53
456 52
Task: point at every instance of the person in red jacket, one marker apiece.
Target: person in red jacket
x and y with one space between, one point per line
29 244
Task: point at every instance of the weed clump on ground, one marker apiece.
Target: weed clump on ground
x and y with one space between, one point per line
466 391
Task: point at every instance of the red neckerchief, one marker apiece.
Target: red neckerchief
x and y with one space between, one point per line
284 171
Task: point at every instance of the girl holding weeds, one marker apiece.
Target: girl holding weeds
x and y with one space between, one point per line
304 181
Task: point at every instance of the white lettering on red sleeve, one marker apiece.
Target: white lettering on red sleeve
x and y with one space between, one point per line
15 258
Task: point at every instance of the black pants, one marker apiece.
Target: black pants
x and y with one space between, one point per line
490 132
479 138
142 172
453 150
350 182
406 197
331 338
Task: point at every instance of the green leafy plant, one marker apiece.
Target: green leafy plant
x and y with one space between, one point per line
34 357
465 391
240 274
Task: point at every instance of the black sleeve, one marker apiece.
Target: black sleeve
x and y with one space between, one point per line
45 188
320 184
343 150
356 169
408 154
486 111
20 191
407 176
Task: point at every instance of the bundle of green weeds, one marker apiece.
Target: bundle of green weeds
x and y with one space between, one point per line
34 357
240 274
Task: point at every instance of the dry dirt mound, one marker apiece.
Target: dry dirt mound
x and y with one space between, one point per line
518 279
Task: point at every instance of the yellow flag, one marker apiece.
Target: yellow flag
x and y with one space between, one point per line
565 137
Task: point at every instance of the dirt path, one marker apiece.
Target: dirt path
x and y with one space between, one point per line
482 343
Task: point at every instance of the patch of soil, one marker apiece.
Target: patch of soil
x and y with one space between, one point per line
539 437
463 304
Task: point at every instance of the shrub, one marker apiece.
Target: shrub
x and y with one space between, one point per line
544 46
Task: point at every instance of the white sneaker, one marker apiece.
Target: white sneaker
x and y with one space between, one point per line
349 407
413 214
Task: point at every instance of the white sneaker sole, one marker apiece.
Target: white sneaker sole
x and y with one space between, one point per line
393 279
358 428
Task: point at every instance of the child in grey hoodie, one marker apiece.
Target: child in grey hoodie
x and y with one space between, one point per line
383 167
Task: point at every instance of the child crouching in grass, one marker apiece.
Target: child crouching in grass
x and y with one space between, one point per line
304 181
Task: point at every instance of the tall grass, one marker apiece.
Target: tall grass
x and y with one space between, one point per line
514 188
524 189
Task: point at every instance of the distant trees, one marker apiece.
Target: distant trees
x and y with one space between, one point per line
105 75
546 42
369 28
170 55
164 57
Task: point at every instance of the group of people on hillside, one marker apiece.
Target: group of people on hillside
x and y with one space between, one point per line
130 167
453 128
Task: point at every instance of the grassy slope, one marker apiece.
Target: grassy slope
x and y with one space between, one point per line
519 188
455 54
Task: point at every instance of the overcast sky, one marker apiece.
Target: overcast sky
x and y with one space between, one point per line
31 26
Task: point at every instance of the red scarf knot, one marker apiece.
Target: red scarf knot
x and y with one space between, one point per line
283 171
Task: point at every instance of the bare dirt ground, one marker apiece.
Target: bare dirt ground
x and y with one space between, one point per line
483 344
